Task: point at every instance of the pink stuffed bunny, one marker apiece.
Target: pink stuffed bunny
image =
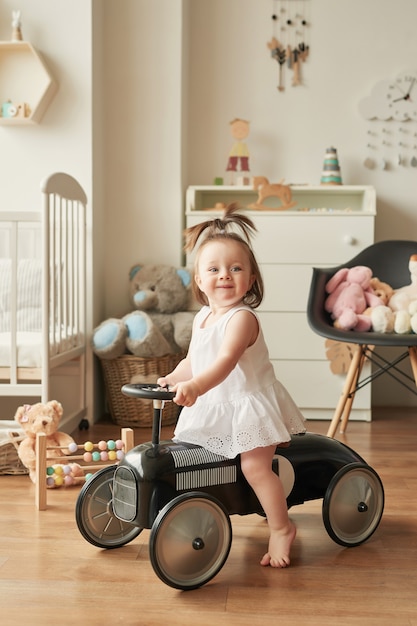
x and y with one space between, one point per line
350 294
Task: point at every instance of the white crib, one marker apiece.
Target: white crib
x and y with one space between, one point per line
43 297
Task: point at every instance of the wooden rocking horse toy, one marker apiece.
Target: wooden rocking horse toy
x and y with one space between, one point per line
266 189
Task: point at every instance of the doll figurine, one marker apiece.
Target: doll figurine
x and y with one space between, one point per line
239 154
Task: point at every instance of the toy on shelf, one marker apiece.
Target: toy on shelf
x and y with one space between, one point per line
219 206
11 110
239 154
266 190
16 26
52 472
331 170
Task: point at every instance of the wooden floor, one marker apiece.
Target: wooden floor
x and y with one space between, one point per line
50 575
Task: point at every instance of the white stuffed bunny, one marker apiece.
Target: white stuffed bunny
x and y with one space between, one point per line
404 302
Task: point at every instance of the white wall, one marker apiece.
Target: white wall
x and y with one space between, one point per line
142 102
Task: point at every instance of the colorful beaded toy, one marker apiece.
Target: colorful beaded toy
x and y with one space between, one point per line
72 473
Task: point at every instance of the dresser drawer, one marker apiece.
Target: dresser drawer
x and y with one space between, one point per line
312 385
312 239
288 336
315 239
286 287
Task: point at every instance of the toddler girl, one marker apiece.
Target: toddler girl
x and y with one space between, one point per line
233 403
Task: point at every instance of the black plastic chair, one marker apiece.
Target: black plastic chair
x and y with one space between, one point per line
389 261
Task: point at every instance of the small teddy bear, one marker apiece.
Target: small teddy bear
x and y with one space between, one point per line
350 294
40 418
382 316
161 322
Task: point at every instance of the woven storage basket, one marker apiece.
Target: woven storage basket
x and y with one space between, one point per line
133 412
9 460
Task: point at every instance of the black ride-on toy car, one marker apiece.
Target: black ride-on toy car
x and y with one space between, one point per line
185 495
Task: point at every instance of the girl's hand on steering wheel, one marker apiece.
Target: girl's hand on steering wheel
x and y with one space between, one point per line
186 393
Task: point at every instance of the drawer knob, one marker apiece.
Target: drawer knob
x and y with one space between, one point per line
349 240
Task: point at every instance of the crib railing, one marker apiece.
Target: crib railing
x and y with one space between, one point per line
64 232
20 240
56 238
64 284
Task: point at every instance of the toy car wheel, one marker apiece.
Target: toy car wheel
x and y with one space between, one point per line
353 504
94 513
190 540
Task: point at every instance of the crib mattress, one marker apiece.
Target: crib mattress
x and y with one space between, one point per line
29 348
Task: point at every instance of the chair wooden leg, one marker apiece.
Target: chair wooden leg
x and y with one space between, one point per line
351 396
347 389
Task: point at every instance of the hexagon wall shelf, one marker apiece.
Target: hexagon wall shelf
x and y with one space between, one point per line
26 86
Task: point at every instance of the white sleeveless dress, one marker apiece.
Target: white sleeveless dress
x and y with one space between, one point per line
249 409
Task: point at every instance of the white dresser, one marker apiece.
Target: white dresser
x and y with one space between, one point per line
326 227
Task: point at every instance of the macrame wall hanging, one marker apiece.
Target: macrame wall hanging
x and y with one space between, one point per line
289 44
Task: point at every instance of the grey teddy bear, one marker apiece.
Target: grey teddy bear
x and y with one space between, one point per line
161 322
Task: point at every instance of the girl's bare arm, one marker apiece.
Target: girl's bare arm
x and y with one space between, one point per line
181 372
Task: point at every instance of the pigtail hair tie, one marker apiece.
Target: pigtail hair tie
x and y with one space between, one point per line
220 227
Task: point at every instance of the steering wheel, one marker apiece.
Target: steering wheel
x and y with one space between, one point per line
147 391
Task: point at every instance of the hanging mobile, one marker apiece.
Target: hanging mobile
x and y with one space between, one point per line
278 53
303 46
291 48
296 80
369 163
277 49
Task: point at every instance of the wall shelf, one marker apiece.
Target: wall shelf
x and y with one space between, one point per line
24 80
308 199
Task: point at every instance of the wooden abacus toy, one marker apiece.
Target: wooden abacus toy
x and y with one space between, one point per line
75 468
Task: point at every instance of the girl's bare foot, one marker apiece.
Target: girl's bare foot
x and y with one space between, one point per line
279 548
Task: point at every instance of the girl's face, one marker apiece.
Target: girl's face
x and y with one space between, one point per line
223 272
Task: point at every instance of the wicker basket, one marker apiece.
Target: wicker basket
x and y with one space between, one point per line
126 411
9 460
